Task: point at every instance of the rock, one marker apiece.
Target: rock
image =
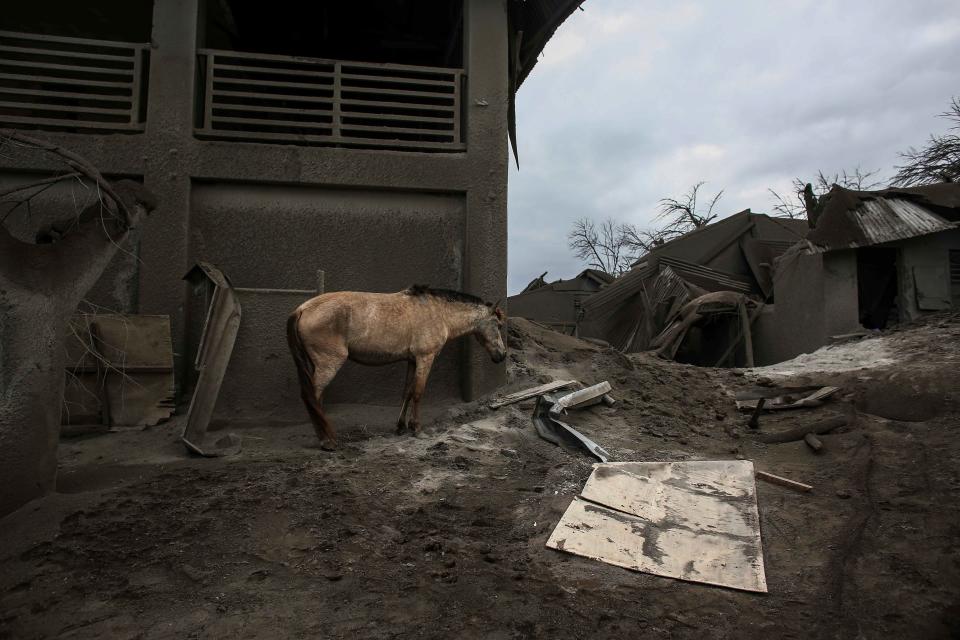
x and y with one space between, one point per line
843 493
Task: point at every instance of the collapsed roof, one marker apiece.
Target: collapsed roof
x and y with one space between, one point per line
735 254
532 24
850 219
600 278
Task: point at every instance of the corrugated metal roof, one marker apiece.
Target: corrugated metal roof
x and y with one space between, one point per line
897 219
853 219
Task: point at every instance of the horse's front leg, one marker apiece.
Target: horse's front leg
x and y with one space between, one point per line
420 383
407 392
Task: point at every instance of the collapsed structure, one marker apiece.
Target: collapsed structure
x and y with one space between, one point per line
874 259
558 304
752 289
735 254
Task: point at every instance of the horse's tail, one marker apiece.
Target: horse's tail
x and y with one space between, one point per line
302 361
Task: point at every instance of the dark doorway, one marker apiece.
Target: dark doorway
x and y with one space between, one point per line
877 293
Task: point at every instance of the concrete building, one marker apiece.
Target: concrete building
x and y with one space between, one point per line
557 304
875 258
368 141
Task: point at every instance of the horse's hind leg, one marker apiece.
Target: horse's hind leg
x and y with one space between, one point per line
419 384
407 392
326 367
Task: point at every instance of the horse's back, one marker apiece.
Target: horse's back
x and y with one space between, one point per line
349 311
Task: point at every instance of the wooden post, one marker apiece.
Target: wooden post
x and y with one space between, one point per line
747 335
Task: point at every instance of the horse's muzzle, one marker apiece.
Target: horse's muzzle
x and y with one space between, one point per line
499 356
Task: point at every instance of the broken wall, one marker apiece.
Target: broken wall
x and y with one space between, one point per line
816 298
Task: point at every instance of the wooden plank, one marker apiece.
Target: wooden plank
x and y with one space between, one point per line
784 482
219 336
745 323
259 109
19 35
290 124
65 67
36 79
284 97
252 82
446 133
458 108
52 93
117 57
137 87
63 107
79 124
396 80
307 60
373 143
694 521
337 87
272 71
398 92
413 106
399 118
517 396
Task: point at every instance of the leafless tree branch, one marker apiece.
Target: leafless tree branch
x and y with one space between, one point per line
939 161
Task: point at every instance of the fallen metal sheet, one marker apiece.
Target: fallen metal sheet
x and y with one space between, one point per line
694 521
213 356
582 398
779 399
120 370
517 396
562 434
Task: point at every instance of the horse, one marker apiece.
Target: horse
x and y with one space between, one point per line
411 325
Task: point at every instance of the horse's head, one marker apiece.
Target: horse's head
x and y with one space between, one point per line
489 332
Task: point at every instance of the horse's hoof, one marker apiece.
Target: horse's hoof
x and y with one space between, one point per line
401 428
328 445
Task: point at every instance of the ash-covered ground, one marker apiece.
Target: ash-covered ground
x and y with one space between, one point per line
443 536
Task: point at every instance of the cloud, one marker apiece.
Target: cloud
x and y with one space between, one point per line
633 102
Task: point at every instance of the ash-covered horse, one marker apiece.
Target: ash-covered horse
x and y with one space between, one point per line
380 328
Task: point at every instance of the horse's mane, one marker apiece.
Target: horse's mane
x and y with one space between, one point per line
443 294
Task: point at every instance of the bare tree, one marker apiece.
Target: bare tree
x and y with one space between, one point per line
939 161
684 215
614 247
806 195
41 284
601 247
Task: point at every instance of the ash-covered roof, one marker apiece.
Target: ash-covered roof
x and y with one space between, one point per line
532 24
851 219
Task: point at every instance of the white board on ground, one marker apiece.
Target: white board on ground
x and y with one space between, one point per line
694 521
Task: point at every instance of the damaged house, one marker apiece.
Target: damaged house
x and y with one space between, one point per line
298 147
734 255
874 258
557 304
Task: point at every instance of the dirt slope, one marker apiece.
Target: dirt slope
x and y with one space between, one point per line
439 537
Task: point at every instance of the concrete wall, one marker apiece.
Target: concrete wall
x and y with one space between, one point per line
925 260
379 219
816 297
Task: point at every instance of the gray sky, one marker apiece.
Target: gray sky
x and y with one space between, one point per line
633 101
